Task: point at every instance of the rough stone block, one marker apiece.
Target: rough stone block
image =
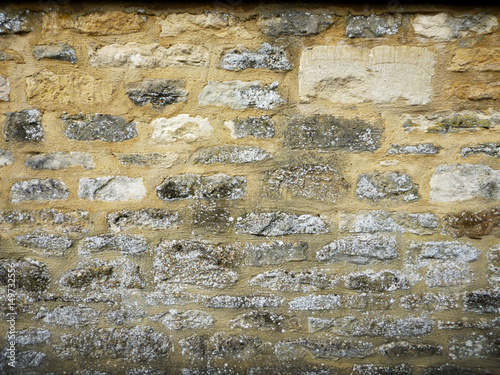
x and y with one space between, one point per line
475 59
122 316
195 263
280 224
397 186
465 323
180 128
451 122
158 92
265 321
276 252
31 275
11 55
333 133
154 159
472 224
60 51
127 245
474 346
193 186
372 26
328 348
294 23
369 301
14 24
482 301
98 126
488 149
72 316
430 302
4 89
382 281
38 190
240 95
423 252
190 319
322 182
33 336
265 57
448 274
146 218
443 27
493 257
230 155
242 302
47 244
359 249
6 157
24 126
397 349
461 182
420 149
257 127
148 56
316 302
402 369
112 188
454 370
474 91
212 216
353 75
294 281
220 345
60 160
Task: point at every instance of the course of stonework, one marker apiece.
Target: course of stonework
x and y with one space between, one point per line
249 189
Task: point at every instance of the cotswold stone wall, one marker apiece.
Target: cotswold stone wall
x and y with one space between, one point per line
254 190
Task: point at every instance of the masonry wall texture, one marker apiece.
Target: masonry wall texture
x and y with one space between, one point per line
252 188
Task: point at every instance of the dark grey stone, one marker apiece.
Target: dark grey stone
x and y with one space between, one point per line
32 276
60 51
158 92
488 149
455 370
15 24
328 348
482 301
333 133
38 190
265 321
266 57
33 336
397 349
97 126
294 23
382 281
24 126
257 127
376 186
220 345
148 218
372 26
402 369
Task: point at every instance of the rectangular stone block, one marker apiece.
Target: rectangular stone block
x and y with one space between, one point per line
476 59
113 188
381 74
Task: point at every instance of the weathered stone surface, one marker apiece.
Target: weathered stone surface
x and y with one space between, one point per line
47 88
293 369
265 57
454 370
243 302
16 218
195 263
220 345
430 302
280 224
158 92
386 221
328 348
148 56
451 122
137 344
47 244
65 222
402 369
4 89
14 24
72 316
6 157
189 319
443 27
33 336
423 252
474 91
146 218
24 126
154 159
97 23
482 301
461 182
212 216
11 55
465 323
372 26
193 186
382 281
257 127
60 160
379 326
294 23
472 224
369 301
230 154
240 95
377 186
276 252
60 51
294 281
420 149
103 277
359 249
314 181
112 188
489 149
38 190
475 59
381 74
265 321
122 316
180 128
316 302
127 245
31 275
24 359
493 274
333 133
397 349
474 346
98 126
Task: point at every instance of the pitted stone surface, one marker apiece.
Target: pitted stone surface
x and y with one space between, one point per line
276 252
265 321
266 57
6 157
488 149
38 190
33 336
243 302
294 23
397 349
382 281
4 88
230 155
158 92
473 346
60 51
147 218
101 127
127 245
316 302
377 186
402 369
190 319
372 26
420 149
24 126
47 244
257 127
327 348
72 316
294 281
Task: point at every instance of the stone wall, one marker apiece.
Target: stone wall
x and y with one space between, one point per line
249 190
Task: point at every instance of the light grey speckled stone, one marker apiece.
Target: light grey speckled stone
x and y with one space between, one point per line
280 224
38 190
112 188
60 160
266 57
